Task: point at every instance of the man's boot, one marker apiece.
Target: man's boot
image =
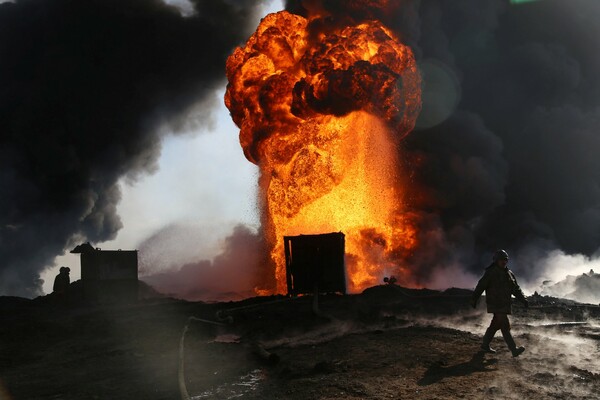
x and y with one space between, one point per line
516 351
487 339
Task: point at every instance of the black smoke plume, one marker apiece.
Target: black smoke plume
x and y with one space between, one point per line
505 154
87 88
529 73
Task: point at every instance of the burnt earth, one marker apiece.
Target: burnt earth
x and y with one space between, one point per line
386 343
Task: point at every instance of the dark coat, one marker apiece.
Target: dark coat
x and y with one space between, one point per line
61 283
499 284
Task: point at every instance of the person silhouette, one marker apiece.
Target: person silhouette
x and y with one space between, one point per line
61 284
500 285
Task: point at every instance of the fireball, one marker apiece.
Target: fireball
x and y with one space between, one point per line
321 106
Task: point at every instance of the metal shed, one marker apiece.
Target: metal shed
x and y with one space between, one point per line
315 263
108 276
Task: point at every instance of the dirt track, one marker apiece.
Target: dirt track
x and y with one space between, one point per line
384 344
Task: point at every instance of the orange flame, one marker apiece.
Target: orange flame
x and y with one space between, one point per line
321 108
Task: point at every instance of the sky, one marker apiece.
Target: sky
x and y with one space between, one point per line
113 131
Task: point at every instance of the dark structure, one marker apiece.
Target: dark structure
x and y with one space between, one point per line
315 263
108 276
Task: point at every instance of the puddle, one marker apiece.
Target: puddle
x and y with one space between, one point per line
244 385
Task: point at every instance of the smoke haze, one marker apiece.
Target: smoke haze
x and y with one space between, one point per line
233 274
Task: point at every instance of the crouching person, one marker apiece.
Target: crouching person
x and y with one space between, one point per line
499 284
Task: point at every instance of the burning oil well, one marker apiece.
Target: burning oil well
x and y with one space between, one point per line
321 101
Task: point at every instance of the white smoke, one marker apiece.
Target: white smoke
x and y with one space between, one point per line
573 277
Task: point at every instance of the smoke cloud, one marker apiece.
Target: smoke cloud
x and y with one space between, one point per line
87 90
530 177
504 154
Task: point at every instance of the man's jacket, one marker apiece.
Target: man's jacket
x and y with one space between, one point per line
499 284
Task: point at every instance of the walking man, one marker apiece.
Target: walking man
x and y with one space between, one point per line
499 284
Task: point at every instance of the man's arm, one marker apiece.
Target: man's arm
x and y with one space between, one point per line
517 292
481 286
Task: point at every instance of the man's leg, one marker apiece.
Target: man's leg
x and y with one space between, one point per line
504 325
489 335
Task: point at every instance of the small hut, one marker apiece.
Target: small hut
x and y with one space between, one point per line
108 276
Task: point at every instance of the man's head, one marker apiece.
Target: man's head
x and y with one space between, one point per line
501 258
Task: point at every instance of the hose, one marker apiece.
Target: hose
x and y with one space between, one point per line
181 372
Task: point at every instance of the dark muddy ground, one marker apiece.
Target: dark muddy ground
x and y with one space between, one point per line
387 343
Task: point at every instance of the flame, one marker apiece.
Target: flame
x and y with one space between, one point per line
321 108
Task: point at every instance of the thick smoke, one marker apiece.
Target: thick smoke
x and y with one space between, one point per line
505 154
86 90
534 90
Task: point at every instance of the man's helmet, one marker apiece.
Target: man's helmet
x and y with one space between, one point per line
500 255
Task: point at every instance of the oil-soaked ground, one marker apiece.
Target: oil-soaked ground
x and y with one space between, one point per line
387 343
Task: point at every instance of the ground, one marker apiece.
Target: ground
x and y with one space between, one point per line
386 343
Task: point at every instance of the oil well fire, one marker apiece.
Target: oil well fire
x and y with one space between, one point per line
322 102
